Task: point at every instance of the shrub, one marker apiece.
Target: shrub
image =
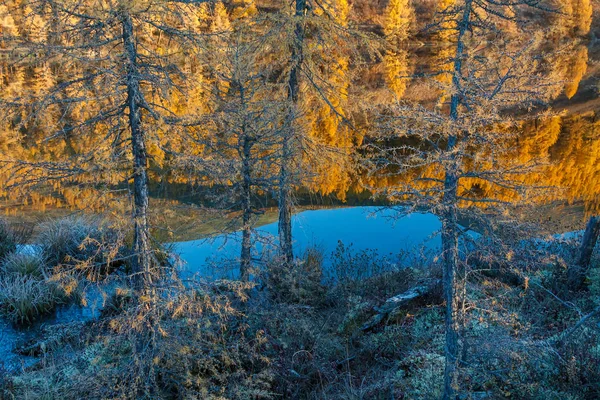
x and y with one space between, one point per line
300 282
23 299
189 344
84 244
29 264
304 346
350 267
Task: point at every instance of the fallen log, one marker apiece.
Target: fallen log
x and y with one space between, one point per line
394 303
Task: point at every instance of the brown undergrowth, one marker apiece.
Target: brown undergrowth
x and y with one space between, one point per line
294 334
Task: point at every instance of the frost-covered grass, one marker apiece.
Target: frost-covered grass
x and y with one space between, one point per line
292 337
33 281
24 298
23 263
68 239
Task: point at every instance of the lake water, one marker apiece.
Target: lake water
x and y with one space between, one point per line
11 336
362 227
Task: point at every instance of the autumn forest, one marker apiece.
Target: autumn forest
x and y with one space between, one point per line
304 199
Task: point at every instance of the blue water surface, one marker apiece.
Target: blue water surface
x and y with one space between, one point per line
362 227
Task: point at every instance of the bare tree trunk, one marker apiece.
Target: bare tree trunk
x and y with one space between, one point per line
246 256
578 272
297 53
285 190
450 223
590 237
141 240
450 264
285 204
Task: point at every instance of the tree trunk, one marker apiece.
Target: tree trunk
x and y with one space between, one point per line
450 228
285 205
578 272
297 52
590 237
142 262
450 264
285 190
246 256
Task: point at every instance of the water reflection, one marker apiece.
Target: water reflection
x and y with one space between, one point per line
96 180
361 227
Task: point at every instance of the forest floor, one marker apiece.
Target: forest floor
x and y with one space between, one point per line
291 336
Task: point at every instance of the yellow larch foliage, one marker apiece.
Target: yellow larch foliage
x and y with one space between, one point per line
447 28
8 27
577 70
567 68
400 16
202 18
582 16
397 71
342 10
575 17
220 19
509 25
244 9
444 55
331 167
338 10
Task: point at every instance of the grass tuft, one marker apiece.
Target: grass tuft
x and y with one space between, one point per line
63 240
23 299
27 264
82 245
300 282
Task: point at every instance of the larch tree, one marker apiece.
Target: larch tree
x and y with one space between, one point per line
449 159
581 16
577 70
567 66
399 22
285 200
317 38
574 17
329 138
124 63
240 136
583 12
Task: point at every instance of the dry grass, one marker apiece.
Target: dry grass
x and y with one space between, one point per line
73 250
27 264
185 343
63 239
23 299
85 246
